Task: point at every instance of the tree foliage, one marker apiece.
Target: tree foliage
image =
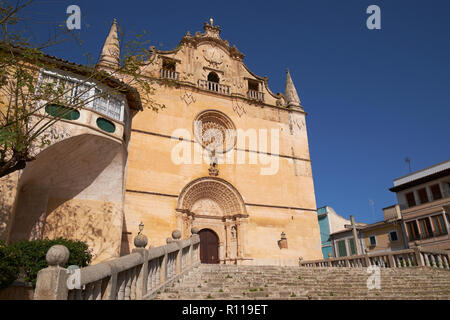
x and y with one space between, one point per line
24 128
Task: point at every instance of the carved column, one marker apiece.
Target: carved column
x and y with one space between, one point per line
227 239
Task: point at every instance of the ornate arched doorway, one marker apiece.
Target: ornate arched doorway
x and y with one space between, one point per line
214 204
209 246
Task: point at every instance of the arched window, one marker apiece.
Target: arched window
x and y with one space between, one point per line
213 77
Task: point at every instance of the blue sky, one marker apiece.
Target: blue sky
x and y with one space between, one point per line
373 97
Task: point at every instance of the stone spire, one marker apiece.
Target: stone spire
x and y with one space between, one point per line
291 95
110 57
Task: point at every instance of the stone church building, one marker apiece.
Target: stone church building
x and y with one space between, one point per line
226 156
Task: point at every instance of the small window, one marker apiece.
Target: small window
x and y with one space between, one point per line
425 227
423 196
410 199
213 77
168 65
373 240
439 225
106 125
253 85
436 192
413 231
393 236
59 111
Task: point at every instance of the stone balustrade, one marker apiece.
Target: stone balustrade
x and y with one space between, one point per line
255 95
139 275
214 86
169 74
416 257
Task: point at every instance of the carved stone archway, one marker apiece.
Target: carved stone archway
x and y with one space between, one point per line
215 204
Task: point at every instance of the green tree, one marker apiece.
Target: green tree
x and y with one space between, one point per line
24 130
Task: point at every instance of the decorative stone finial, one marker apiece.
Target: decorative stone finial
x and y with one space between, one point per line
57 256
211 20
290 93
110 56
195 230
140 241
176 234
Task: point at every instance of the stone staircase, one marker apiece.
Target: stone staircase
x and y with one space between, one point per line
228 282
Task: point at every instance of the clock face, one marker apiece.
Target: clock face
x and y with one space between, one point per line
214 56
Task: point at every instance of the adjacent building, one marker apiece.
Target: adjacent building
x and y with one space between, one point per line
329 222
424 201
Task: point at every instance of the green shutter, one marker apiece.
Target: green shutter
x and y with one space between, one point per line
106 125
352 246
342 249
59 111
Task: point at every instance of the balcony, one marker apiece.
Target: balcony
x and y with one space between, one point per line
169 74
214 86
423 236
255 95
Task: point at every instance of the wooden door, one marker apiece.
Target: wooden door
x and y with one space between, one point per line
209 246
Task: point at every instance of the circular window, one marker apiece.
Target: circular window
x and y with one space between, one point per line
106 125
59 111
214 130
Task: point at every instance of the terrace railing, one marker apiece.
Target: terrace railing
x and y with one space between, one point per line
416 257
139 275
214 86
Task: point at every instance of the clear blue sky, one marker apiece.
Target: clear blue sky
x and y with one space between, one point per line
373 97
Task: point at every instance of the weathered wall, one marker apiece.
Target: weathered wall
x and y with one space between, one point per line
8 189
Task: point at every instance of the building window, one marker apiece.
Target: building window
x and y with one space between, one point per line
436 192
352 246
393 236
213 77
413 231
373 240
253 85
423 196
439 226
106 125
62 112
425 227
168 65
342 249
410 199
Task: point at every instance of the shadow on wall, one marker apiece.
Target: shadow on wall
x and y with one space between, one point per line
8 189
73 189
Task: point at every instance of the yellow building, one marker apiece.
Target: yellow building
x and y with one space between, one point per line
227 157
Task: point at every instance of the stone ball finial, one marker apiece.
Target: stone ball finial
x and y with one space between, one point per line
57 255
195 230
176 234
169 240
140 241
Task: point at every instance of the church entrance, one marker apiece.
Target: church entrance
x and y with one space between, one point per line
209 246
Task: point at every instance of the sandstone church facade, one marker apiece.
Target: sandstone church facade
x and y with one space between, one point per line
252 201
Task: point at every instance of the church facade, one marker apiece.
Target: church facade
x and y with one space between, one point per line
226 158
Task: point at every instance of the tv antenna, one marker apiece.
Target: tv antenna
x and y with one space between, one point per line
408 161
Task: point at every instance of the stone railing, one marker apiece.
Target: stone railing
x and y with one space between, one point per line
255 95
140 275
416 257
214 86
169 74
